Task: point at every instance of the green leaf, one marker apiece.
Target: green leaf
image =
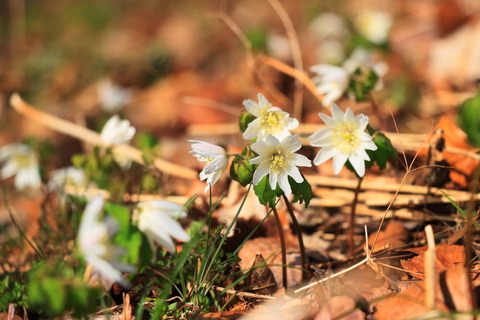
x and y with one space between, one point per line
469 119
302 191
362 81
385 150
264 193
245 119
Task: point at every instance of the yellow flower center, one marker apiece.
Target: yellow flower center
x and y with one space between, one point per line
271 121
22 160
278 162
345 137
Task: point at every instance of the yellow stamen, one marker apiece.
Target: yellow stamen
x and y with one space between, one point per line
271 121
345 137
278 161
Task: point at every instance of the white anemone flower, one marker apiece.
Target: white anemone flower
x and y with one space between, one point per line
279 160
329 25
332 81
343 139
116 132
374 25
95 246
20 161
70 176
216 158
156 219
270 120
112 96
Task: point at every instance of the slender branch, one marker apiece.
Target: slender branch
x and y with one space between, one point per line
351 226
283 247
84 134
296 53
298 231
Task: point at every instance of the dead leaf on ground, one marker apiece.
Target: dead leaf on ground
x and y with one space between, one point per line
394 236
337 306
447 256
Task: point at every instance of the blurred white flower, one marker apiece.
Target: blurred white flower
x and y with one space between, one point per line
279 160
116 132
344 138
216 158
156 219
95 246
329 25
113 97
330 51
279 47
374 25
364 58
20 160
270 120
70 176
332 81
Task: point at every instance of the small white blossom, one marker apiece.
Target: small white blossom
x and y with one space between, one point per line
329 25
270 120
67 176
20 160
332 81
343 139
373 25
113 97
116 132
279 160
95 246
216 158
156 219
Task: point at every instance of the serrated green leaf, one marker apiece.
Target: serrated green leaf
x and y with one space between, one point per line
264 193
302 192
385 150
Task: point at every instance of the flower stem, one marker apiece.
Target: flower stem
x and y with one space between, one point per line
283 247
351 226
298 231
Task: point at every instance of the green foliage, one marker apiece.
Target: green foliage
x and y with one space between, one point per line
245 119
12 290
241 170
469 119
258 38
302 192
129 237
362 81
385 150
54 290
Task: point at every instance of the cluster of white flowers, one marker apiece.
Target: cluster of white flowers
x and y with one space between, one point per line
156 219
20 161
333 81
343 139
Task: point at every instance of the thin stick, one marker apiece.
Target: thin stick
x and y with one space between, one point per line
283 247
244 294
297 74
298 231
430 272
351 226
84 134
296 54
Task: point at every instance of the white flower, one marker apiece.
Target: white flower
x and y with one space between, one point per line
279 160
113 97
270 120
67 176
116 131
343 139
95 246
329 25
20 160
156 219
216 158
332 81
374 25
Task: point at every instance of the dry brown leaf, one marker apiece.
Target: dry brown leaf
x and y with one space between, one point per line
447 256
457 283
394 235
261 280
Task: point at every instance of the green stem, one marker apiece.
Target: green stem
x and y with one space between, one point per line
351 226
283 247
298 231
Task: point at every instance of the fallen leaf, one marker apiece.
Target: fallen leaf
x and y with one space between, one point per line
340 307
394 235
